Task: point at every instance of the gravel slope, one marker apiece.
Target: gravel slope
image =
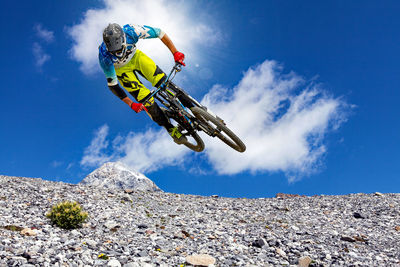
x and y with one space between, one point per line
157 228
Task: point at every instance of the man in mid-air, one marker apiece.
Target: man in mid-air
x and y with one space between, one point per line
121 61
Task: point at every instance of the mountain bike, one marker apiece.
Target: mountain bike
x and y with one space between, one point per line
191 121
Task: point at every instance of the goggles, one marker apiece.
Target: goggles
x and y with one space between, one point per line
121 52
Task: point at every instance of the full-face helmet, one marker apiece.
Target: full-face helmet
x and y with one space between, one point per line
115 40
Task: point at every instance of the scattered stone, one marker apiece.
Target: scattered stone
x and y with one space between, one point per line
358 215
259 243
284 196
360 238
200 260
27 255
305 261
114 263
295 228
75 233
185 233
347 238
142 226
90 243
149 232
111 225
379 194
397 228
281 252
28 232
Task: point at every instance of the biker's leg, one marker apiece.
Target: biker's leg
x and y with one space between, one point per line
161 119
158 116
182 97
134 86
154 110
146 67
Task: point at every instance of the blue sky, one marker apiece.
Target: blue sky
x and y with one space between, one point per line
338 59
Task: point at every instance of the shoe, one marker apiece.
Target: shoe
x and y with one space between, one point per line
178 137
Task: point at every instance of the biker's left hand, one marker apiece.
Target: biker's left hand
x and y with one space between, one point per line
179 57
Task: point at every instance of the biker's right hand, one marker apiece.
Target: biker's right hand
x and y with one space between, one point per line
179 57
137 107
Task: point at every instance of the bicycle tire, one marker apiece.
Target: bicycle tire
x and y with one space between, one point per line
198 146
223 132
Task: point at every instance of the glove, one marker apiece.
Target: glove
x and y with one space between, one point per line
137 107
179 57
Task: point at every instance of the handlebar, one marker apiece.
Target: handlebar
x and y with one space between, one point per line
176 68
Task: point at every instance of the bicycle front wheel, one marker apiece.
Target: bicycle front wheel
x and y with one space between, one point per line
219 129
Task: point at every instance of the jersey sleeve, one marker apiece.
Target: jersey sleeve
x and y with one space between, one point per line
143 32
107 66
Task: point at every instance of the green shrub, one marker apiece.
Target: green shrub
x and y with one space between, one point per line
67 215
12 228
103 256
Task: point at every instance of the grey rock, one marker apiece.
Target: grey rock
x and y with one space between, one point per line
259 243
114 263
358 215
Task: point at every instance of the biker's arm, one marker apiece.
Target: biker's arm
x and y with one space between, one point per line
127 101
178 56
168 43
146 32
112 80
118 91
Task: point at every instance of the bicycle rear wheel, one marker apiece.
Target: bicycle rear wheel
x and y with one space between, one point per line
219 129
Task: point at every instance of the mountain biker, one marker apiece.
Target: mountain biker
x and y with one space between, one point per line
121 61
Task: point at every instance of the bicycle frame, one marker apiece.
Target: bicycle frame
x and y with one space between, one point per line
169 99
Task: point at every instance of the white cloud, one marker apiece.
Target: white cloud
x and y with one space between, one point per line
44 34
281 119
56 164
95 154
40 55
70 165
147 151
282 127
184 31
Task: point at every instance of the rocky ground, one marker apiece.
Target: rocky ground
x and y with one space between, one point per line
163 229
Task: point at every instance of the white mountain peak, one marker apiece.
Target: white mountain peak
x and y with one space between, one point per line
118 175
